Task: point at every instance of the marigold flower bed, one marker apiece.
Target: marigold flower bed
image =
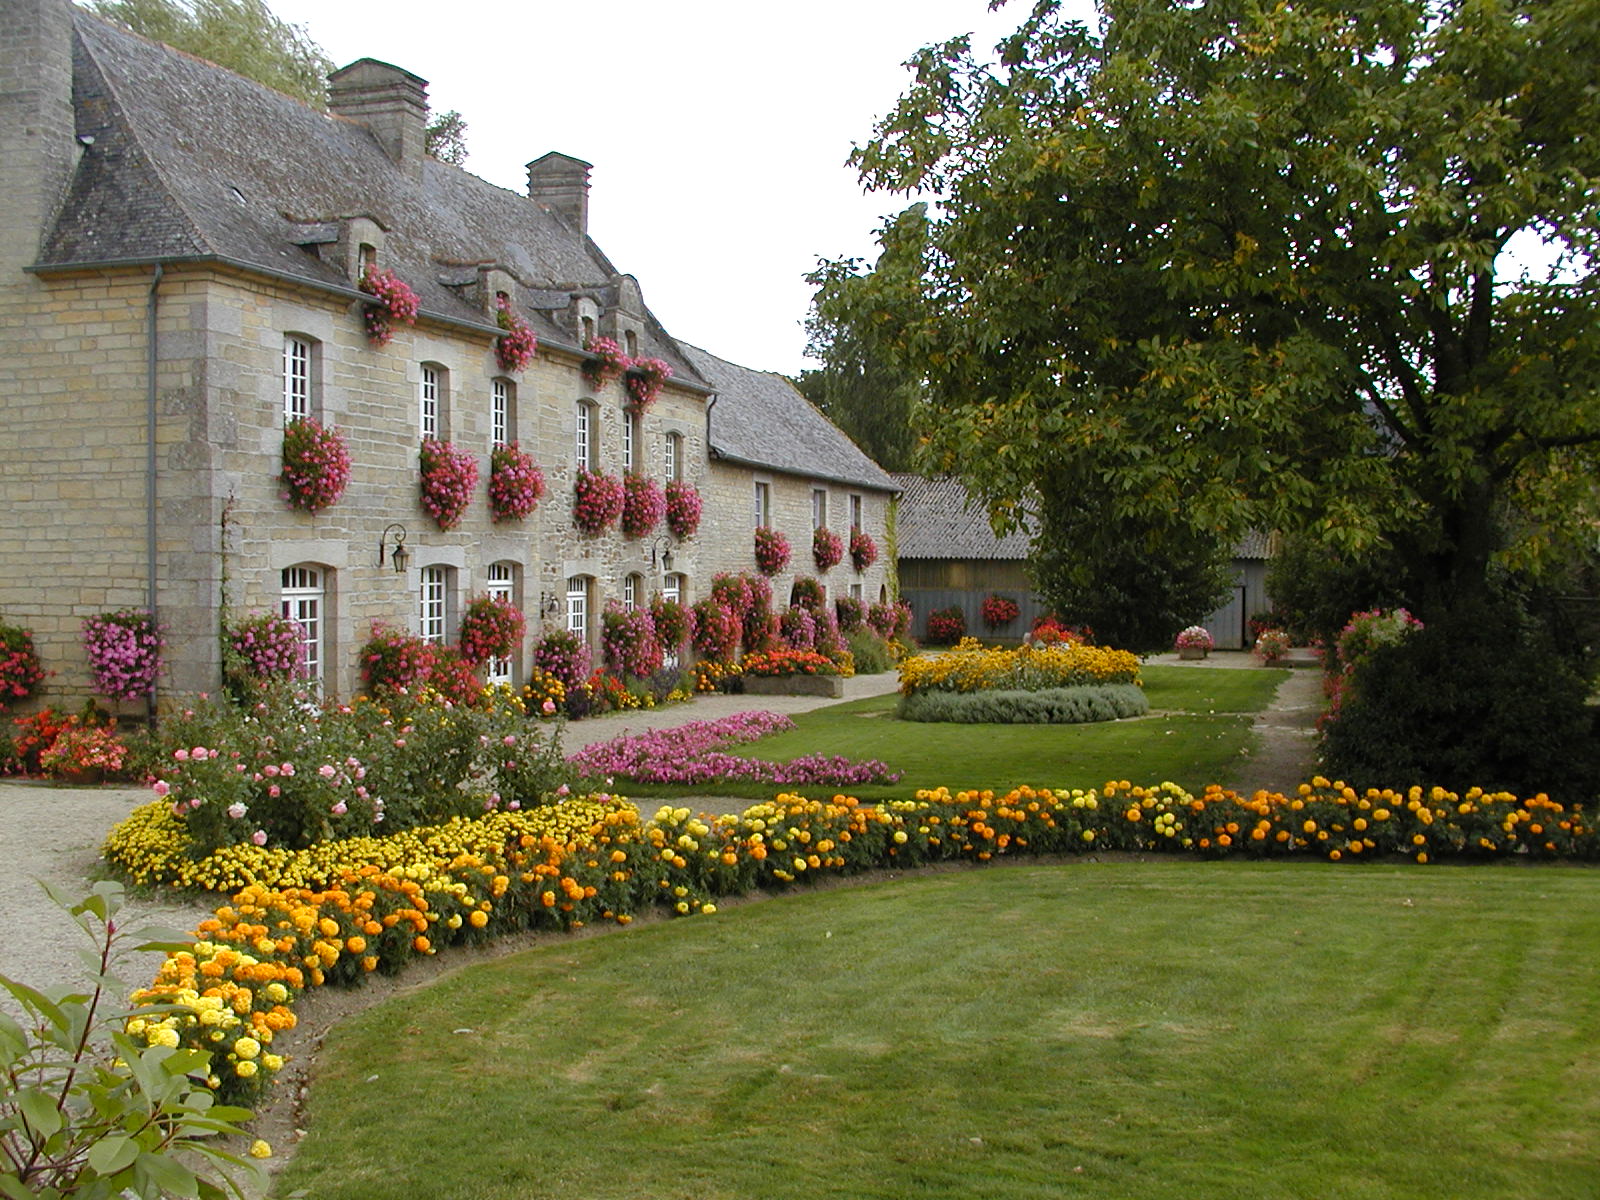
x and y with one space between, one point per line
970 667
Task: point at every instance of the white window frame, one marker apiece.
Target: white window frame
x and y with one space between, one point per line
433 604
671 589
298 354
630 441
763 511
501 584
855 511
578 606
819 508
430 406
583 447
303 599
672 457
499 412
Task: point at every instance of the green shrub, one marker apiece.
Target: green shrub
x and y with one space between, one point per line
871 652
1479 697
1051 706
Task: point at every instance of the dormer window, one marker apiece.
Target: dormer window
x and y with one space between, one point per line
587 326
630 341
366 258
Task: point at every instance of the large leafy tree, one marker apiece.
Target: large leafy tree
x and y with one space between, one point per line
242 35
1235 263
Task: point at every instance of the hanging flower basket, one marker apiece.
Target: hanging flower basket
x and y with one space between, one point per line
643 505
605 362
448 476
514 349
683 509
644 380
124 652
392 301
515 483
596 501
863 550
772 550
316 465
491 628
268 646
827 548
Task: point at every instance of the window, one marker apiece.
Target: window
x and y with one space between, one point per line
587 326
630 440
303 599
672 587
672 456
819 508
763 505
501 585
297 353
855 512
583 446
578 606
366 258
856 594
630 344
501 392
632 591
433 611
433 397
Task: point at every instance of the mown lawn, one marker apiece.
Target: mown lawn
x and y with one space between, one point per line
1098 1030
1197 733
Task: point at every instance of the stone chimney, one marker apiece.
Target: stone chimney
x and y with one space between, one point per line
390 102
38 150
559 183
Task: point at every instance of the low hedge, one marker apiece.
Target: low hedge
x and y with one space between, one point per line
1051 706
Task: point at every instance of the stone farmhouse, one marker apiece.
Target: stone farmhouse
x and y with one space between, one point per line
179 266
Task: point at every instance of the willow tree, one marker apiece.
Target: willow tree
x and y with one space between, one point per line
1222 265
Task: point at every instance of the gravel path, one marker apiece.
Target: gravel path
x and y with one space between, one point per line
54 833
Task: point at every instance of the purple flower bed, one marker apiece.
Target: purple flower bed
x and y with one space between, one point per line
692 754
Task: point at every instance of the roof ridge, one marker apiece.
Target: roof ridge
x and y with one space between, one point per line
130 129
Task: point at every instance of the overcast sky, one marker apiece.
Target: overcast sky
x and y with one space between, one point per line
718 129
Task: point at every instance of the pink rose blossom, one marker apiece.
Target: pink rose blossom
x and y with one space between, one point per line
236 810
161 787
259 837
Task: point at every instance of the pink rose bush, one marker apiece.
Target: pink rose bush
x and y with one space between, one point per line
448 476
316 465
392 301
596 501
683 508
515 483
693 754
124 652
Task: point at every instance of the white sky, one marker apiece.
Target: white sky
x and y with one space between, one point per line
718 129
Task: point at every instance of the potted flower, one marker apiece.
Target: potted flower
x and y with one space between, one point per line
999 611
863 550
644 379
84 753
563 655
827 548
392 300
683 508
1272 646
772 550
605 362
1193 643
596 501
124 652
316 465
20 669
514 349
515 483
491 627
643 505
448 476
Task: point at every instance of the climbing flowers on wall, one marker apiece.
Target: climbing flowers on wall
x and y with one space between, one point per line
642 505
316 465
683 508
644 380
448 476
515 483
392 301
124 652
596 501
863 550
772 550
514 349
605 362
827 548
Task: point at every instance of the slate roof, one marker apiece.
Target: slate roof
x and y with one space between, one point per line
191 161
936 518
760 419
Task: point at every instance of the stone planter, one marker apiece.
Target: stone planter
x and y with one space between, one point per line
795 685
1192 653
